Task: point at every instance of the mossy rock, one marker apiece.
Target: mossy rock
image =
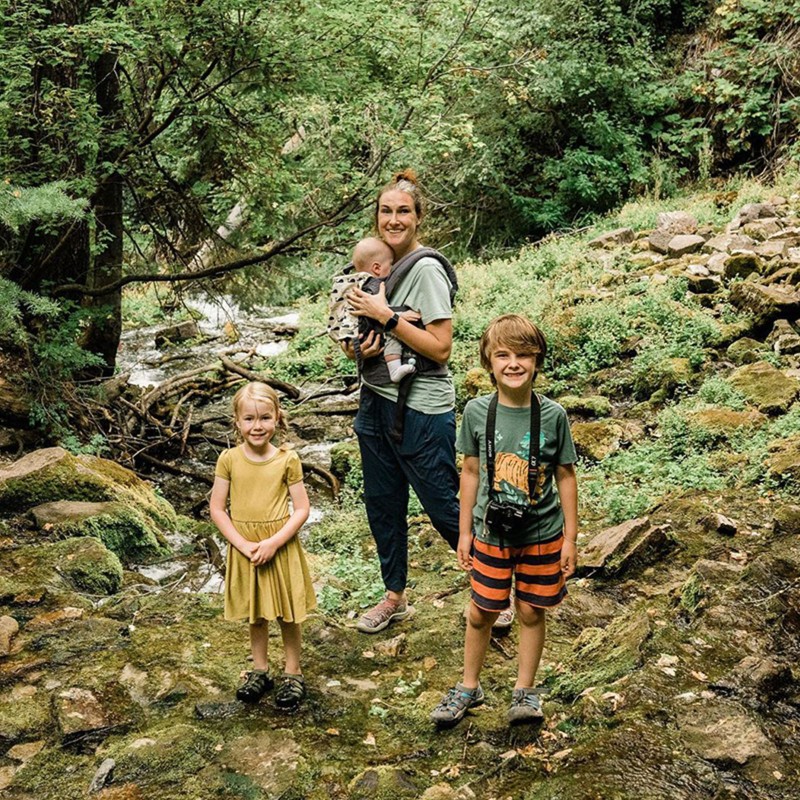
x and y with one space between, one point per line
24 716
597 440
89 565
122 528
477 382
721 423
602 655
345 457
593 405
783 460
163 757
661 378
53 474
746 351
765 387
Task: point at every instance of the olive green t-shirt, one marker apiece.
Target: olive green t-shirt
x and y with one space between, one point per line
512 443
426 289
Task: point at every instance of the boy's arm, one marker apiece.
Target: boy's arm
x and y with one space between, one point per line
468 497
219 516
567 484
300 509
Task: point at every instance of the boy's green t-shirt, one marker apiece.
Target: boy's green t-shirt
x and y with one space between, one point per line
426 289
512 441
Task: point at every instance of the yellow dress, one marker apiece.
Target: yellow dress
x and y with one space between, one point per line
259 507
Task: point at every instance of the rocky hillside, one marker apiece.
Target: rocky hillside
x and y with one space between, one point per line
670 672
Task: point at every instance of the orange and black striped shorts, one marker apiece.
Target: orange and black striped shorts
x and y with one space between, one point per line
536 569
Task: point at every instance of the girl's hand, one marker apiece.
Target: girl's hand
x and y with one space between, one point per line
263 552
370 305
464 551
569 557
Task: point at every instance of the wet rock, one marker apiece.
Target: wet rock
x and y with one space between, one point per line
271 759
174 334
596 440
103 775
722 732
65 511
633 543
786 521
719 523
765 303
81 717
593 405
377 783
766 676
208 711
52 619
89 565
765 387
8 630
746 351
740 265
783 459
784 339
684 243
613 238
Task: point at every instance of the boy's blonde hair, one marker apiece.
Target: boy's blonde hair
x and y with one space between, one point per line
260 393
516 333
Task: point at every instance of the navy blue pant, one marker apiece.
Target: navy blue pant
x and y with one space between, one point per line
425 460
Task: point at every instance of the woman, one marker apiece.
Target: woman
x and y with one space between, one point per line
424 458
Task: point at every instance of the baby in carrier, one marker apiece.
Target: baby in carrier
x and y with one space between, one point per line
372 261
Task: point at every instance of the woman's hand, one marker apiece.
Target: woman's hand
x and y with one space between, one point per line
370 346
370 305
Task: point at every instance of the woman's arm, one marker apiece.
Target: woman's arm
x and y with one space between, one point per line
219 516
434 341
301 507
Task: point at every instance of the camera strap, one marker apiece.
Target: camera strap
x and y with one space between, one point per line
533 449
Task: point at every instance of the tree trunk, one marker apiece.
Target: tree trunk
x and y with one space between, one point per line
103 333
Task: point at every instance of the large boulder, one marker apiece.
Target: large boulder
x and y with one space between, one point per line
784 339
765 387
746 351
597 440
684 243
740 265
53 475
677 222
121 527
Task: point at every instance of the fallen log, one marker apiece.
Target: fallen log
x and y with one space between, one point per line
275 383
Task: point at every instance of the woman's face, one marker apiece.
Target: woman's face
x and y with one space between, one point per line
398 221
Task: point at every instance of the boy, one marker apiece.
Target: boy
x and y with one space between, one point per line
522 526
372 259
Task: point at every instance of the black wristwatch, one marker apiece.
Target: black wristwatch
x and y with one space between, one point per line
391 323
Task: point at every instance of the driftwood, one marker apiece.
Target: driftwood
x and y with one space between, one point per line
286 388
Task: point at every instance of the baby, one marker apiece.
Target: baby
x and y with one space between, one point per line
372 260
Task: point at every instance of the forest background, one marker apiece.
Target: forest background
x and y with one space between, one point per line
229 141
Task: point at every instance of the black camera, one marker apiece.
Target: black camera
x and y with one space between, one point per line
504 519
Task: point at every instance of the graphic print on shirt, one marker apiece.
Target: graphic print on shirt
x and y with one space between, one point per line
511 472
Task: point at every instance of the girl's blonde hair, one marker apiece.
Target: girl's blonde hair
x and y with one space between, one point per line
260 393
516 333
405 181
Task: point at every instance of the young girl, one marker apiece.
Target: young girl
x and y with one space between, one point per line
266 577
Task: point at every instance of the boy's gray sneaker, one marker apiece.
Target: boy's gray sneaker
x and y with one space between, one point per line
455 704
525 707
